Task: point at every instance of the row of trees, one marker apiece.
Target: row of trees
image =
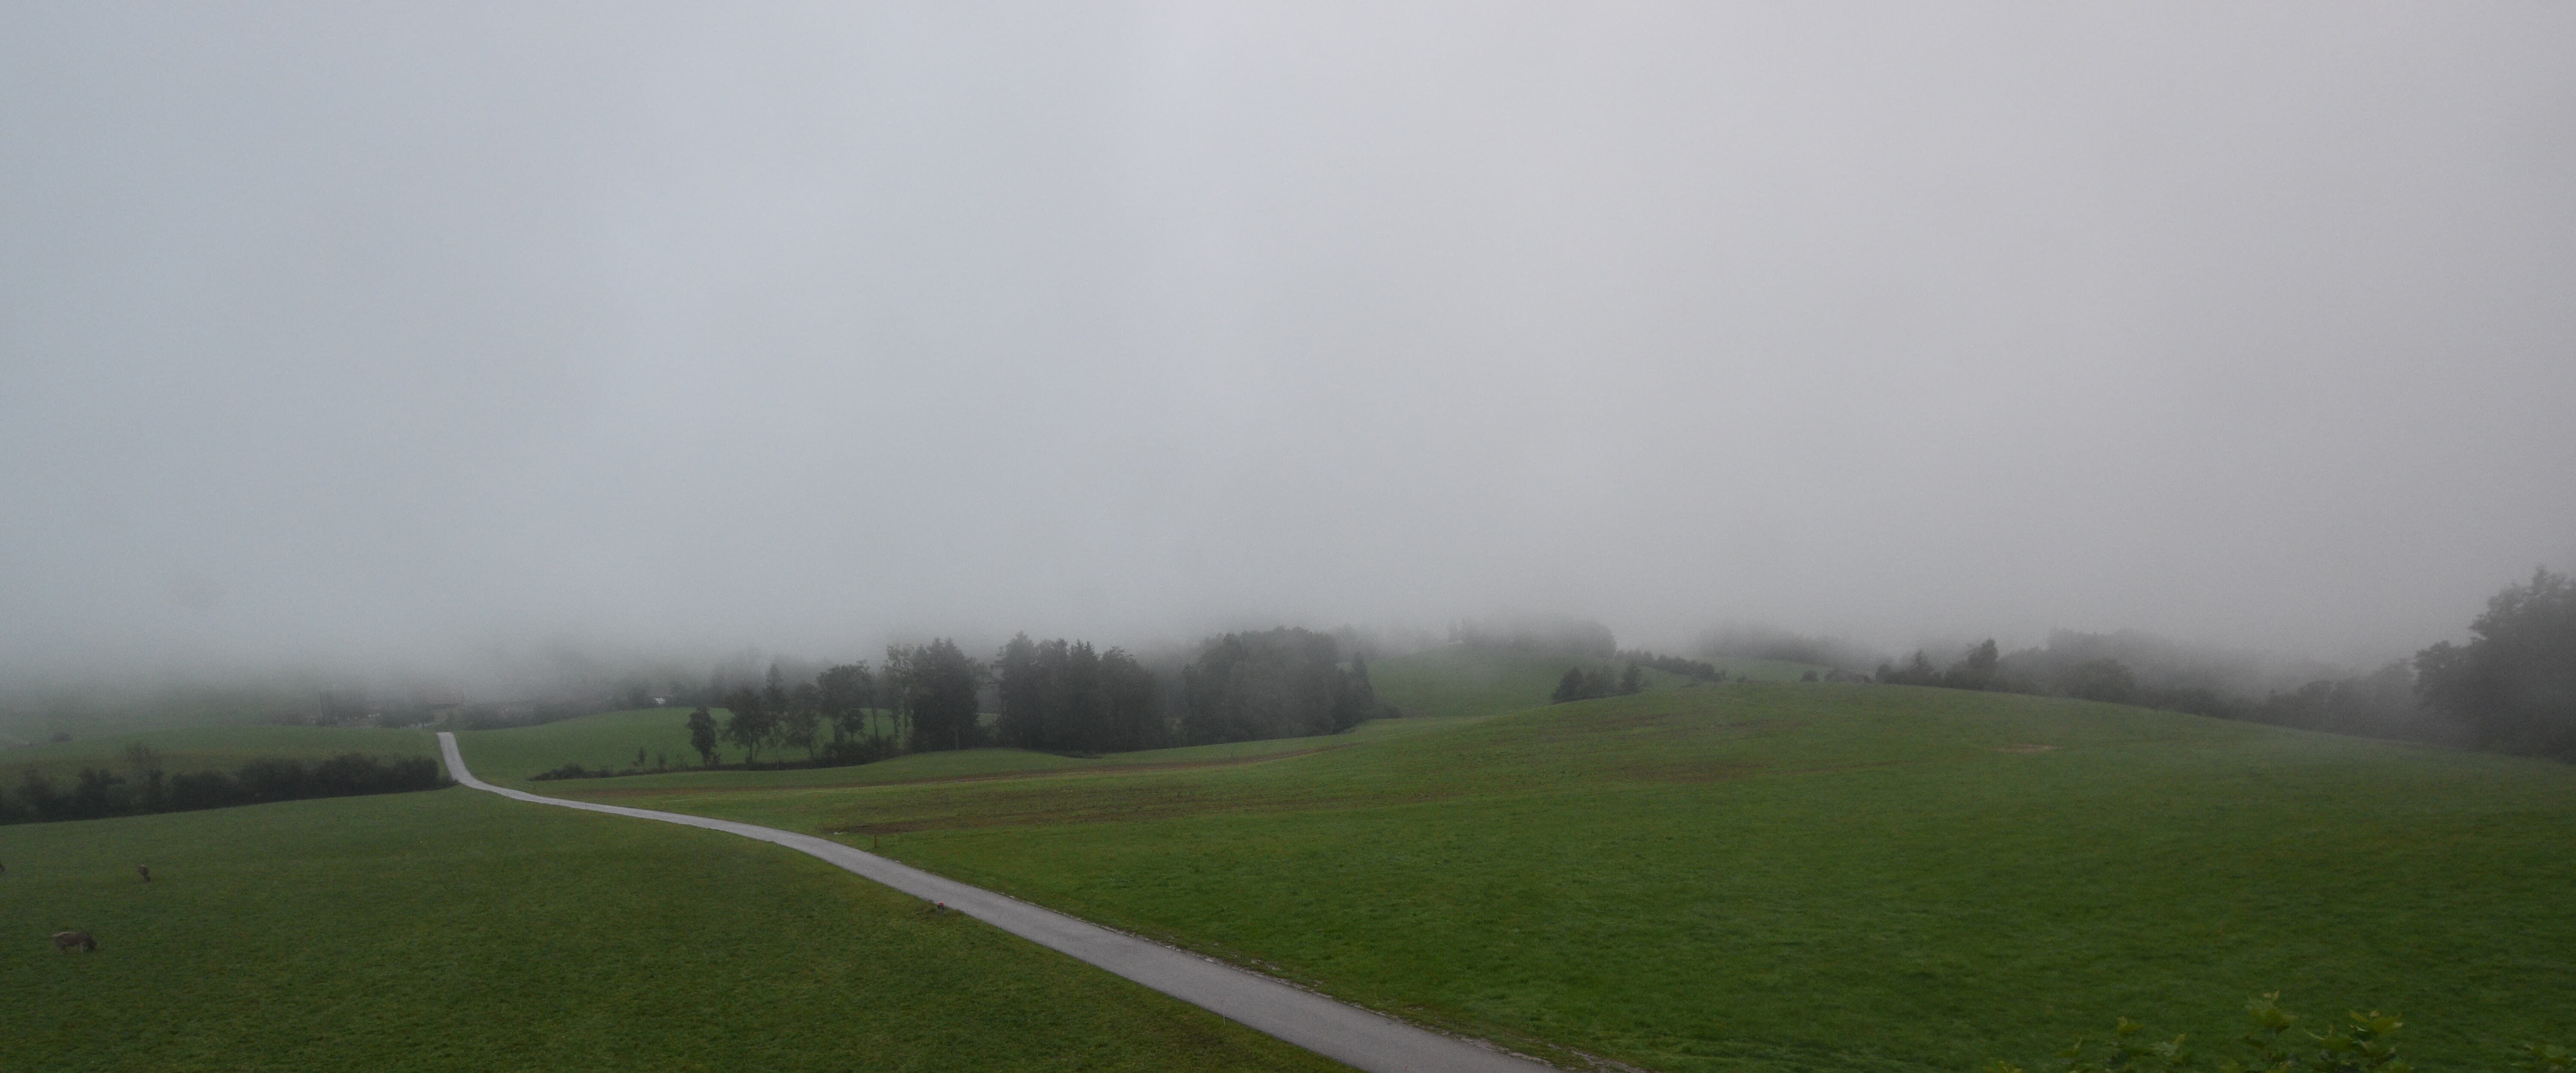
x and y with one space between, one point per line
1063 696
2510 688
97 792
922 698
1695 670
2075 668
1975 670
1582 684
2514 683
1281 683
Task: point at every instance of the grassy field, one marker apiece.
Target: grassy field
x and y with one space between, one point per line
1800 877
455 930
213 748
508 757
1440 683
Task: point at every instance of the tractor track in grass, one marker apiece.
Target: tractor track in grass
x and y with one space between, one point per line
1340 1031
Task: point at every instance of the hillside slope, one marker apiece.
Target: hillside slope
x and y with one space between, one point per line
455 930
1808 876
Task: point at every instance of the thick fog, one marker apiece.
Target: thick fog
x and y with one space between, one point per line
335 334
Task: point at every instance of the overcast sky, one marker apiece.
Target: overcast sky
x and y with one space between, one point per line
344 333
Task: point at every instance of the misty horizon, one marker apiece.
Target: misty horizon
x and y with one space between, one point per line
359 343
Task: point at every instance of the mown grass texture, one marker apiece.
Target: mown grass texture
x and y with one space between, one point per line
1806 877
455 930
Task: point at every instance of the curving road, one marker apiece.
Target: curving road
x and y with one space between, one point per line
1335 1030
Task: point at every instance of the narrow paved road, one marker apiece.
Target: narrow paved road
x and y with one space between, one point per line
1335 1030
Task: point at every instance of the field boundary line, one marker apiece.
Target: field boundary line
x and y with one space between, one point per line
1337 1030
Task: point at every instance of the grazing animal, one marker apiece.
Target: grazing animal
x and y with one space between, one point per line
146 873
64 941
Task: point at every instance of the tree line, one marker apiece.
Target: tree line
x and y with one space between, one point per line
1059 696
2510 688
98 792
1582 683
1280 683
922 697
1693 669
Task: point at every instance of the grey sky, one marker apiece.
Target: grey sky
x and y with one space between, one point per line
339 333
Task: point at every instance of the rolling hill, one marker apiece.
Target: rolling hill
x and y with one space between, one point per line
1788 876
455 930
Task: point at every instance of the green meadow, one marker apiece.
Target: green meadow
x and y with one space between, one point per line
455 930
1793 876
222 748
1764 876
509 757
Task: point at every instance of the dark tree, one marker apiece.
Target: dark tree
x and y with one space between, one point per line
1028 677
2514 683
1356 701
2103 679
1695 670
1282 683
848 691
1359 679
1132 705
938 685
773 693
1580 684
894 690
1916 672
148 775
1632 680
750 723
1976 670
44 802
1065 696
97 792
2380 704
802 724
702 736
